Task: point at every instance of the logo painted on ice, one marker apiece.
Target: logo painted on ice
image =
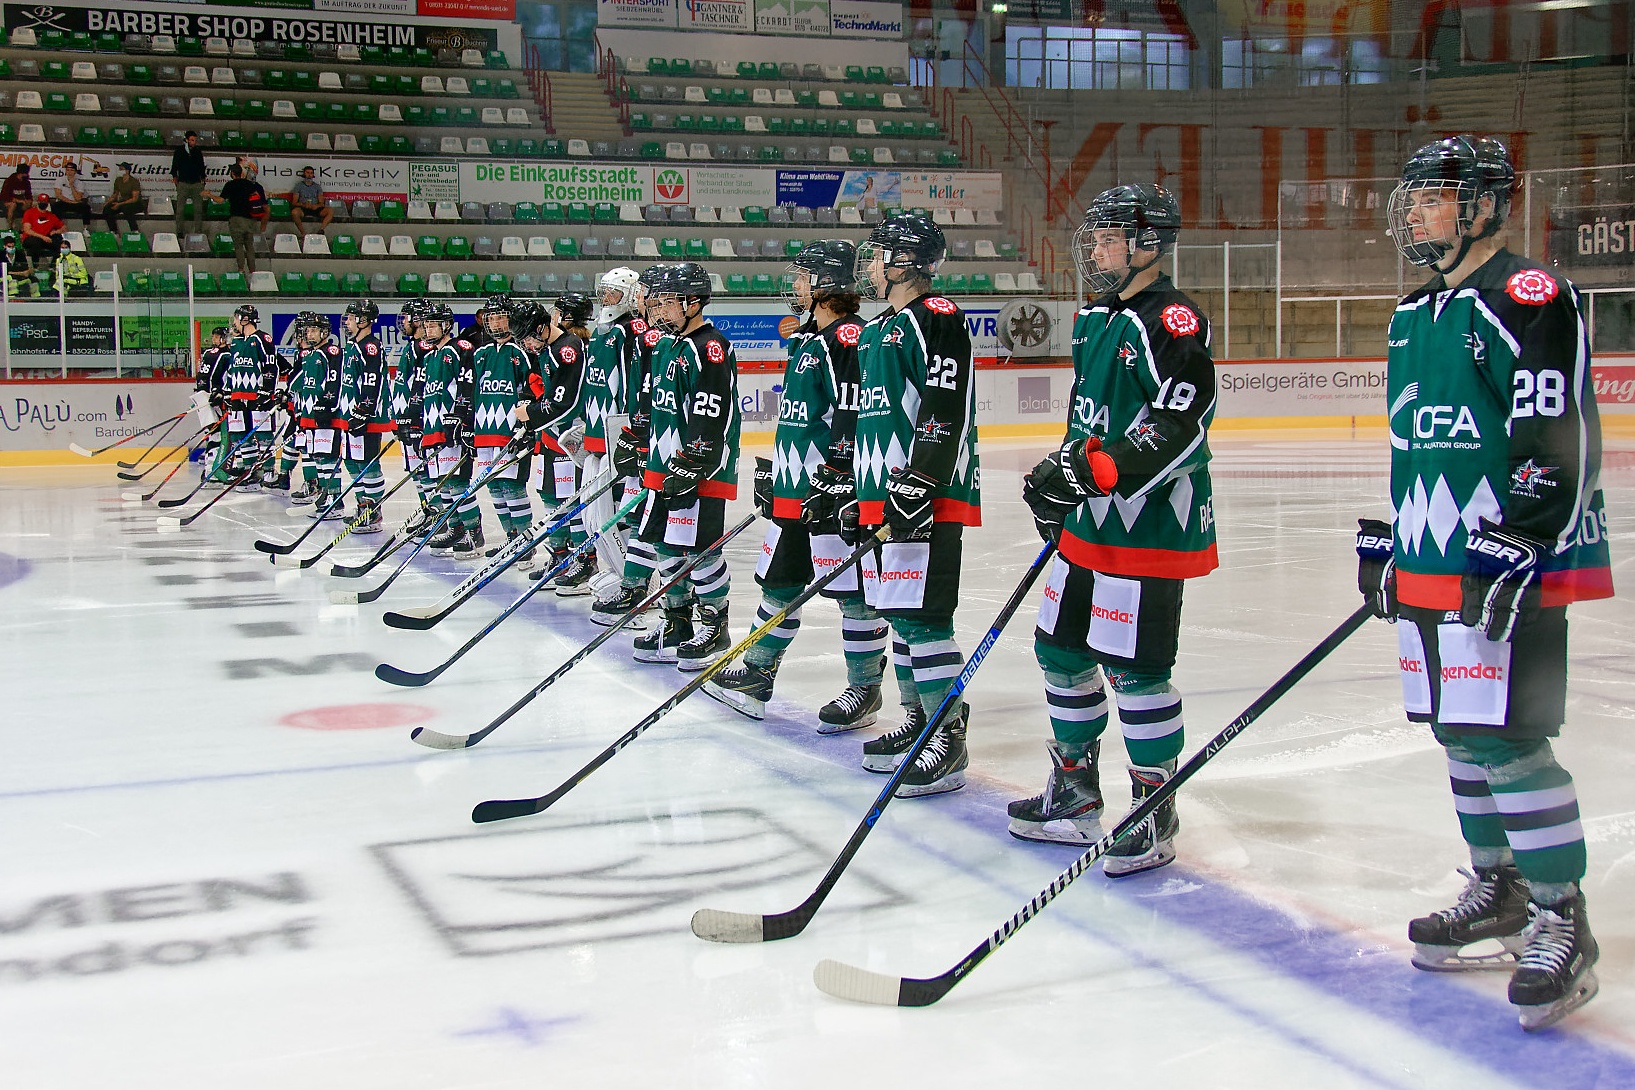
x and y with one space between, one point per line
1529 477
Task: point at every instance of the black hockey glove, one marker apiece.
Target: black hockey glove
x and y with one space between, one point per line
763 487
683 473
522 441
1377 568
832 501
1501 582
1088 469
1051 496
908 504
630 453
455 432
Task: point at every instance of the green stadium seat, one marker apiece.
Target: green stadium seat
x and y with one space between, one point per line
81 42
746 70
303 80
89 136
468 284
411 284
204 283
696 249
768 71
763 284
841 127
754 215
793 247
855 73
496 284
506 89
371 145
392 212
221 245
496 60
527 149
398 56
256 109
501 148
216 210
457 248
322 283
54 72
343 246
150 138
981 284
466 118
103 244
578 212
551 212
525 212
871 101
400 145
263 141
553 149
278 208
234 140
948 157
771 153
296 51
958 284
861 156
808 100
139 283
875 74
354 283
58 103
670 249
189 46
276 79
233 284
851 101
170 282
737 284
133 243
605 212
429 246
8 135
372 54
738 96
439 117
291 142
109 42
566 247
1007 251
652 149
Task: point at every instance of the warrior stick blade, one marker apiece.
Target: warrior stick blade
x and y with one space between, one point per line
717 925
858 985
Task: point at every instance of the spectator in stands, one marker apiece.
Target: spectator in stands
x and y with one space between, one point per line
246 215
125 200
68 198
17 264
17 194
252 169
187 171
42 232
72 275
307 199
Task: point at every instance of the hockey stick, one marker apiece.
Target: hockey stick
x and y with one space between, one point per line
862 986
438 740
363 597
288 560
199 436
400 537
83 453
423 617
277 549
501 809
170 522
140 458
394 676
185 445
717 925
206 480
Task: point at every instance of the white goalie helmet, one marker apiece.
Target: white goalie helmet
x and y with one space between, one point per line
621 280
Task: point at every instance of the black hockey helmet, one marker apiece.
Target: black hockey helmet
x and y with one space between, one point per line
1473 167
365 310
441 313
829 265
573 308
527 317
310 319
247 312
221 331
908 241
685 282
1150 217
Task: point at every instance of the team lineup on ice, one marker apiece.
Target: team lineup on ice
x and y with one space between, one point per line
231 860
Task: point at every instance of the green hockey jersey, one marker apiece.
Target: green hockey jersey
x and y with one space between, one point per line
695 405
447 389
819 393
1492 413
317 385
917 407
499 378
1144 384
363 397
612 374
252 373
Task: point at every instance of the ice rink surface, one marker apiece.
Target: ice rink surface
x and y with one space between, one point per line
222 861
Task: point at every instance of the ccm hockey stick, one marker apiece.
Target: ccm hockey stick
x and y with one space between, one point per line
363 597
862 986
170 522
423 617
394 676
288 560
278 550
225 459
438 740
721 926
199 437
408 531
501 809
140 458
83 453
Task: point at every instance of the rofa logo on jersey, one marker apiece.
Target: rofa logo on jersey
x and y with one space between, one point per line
1429 420
1179 320
1534 287
670 184
849 334
940 305
715 353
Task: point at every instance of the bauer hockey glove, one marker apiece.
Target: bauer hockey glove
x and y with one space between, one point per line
630 453
763 487
908 504
1377 568
1501 582
1088 469
1050 496
832 501
684 471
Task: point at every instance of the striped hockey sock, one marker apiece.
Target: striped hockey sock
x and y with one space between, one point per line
1153 728
863 635
769 649
639 563
1538 804
1479 819
1078 714
902 664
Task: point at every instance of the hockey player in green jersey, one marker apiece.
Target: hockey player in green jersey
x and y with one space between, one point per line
250 382
500 375
613 360
816 434
691 469
408 391
1127 499
362 412
627 452
318 389
557 414
304 388
916 472
446 411
1499 525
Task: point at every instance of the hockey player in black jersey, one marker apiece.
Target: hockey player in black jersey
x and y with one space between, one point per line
213 361
812 450
917 472
1499 525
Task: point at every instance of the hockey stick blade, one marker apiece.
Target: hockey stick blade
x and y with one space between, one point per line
132 496
502 809
169 523
75 448
862 986
408 679
718 926
434 739
275 548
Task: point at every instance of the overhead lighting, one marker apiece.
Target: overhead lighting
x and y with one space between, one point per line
1000 7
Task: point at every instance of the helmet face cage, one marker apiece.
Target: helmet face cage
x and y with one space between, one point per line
621 280
1101 281
525 317
915 247
797 288
311 328
573 308
247 312
1472 167
443 315
822 268
494 308
1427 196
409 315
680 286
221 331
